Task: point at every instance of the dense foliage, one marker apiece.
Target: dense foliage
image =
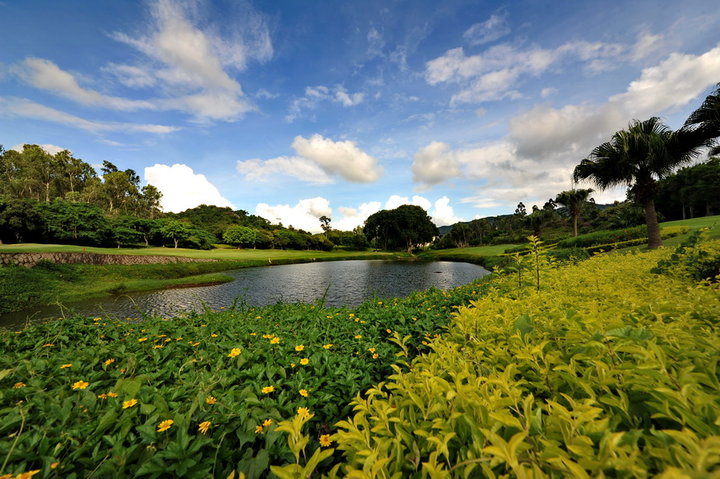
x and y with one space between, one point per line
692 191
89 395
406 227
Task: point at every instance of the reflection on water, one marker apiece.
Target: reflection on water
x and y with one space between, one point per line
341 283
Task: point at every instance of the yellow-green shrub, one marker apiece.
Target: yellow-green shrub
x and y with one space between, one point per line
608 371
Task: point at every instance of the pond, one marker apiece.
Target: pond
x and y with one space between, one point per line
340 283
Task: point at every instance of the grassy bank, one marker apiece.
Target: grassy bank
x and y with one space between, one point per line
64 283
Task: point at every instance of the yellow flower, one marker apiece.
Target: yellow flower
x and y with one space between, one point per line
358 336
165 425
258 429
379 302
253 334
69 365
328 346
372 350
210 400
179 339
111 394
108 362
303 393
267 422
97 319
375 356
19 385
389 331
80 385
234 352
292 365
167 340
325 440
129 403
213 335
54 465
267 336
27 475
304 361
414 318
299 347
268 389
158 346
142 340
48 345
275 340
102 396
303 412
204 426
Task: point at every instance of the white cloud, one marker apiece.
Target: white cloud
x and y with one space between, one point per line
339 157
131 76
23 108
443 214
494 74
376 43
50 149
396 200
314 95
646 44
46 75
351 218
318 160
182 188
488 31
434 164
304 215
300 168
546 92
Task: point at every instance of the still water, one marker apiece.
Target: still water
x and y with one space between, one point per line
341 283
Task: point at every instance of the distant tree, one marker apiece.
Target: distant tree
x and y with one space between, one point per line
637 157
574 200
78 223
19 219
521 210
405 227
325 223
175 230
240 236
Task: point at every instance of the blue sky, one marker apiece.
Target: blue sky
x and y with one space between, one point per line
298 109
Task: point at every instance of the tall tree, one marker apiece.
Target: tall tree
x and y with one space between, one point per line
573 200
637 157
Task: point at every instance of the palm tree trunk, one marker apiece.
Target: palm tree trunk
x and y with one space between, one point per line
654 240
575 221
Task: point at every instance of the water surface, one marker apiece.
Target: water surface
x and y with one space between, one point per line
340 283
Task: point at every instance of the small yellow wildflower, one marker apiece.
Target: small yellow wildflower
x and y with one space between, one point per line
328 346
268 336
292 365
142 340
303 393
358 336
375 356
27 475
253 334
372 350
167 340
161 335
234 352
213 335
19 385
179 339
108 362
389 331
54 465
48 345
268 389
97 319
303 412
102 396
258 429
299 347
204 427
165 425
64 366
414 318
80 385
210 400
111 394
304 361
267 422
129 403
158 346
325 440
275 340
379 302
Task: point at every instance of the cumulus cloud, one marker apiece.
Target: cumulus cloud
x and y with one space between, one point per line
443 214
315 95
319 159
434 164
490 30
304 215
544 144
352 217
21 108
494 74
182 188
396 200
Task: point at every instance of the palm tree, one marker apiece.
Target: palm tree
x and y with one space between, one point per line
573 200
636 157
706 119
